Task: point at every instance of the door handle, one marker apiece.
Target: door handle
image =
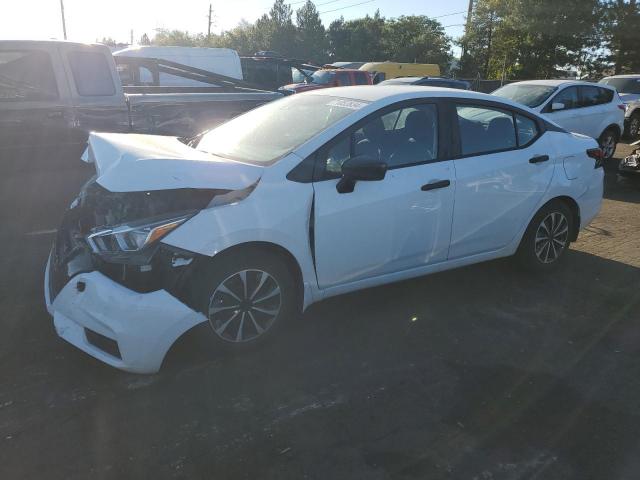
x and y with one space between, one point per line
435 185
539 159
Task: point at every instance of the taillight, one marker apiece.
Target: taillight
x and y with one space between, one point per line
622 107
597 154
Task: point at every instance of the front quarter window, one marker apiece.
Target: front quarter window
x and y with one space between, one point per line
269 132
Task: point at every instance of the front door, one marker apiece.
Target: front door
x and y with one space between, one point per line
392 225
504 169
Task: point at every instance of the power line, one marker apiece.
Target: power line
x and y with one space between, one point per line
316 4
347 6
449 14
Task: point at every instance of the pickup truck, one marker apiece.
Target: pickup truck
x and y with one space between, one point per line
54 93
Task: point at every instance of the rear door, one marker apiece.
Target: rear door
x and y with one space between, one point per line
596 108
503 168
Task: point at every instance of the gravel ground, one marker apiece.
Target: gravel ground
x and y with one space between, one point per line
480 373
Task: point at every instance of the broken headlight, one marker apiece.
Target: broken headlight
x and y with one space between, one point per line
132 238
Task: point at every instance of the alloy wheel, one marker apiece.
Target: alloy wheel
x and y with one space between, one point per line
551 237
608 145
634 126
244 305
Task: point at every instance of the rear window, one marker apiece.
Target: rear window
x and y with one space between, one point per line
26 75
624 85
91 74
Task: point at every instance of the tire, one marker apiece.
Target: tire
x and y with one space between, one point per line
633 127
248 296
536 252
608 141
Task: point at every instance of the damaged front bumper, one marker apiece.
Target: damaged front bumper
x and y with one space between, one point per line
128 330
630 166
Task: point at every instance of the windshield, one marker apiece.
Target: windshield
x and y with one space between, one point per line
624 85
529 95
273 130
299 75
322 77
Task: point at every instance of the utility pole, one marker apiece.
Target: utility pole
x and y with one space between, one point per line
210 21
131 43
466 28
64 25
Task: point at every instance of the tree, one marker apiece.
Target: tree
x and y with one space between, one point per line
178 38
623 35
530 38
311 38
416 38
359 39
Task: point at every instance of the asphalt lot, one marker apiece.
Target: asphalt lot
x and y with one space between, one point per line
481 373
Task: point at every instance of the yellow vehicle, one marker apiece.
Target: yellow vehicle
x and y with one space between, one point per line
387 70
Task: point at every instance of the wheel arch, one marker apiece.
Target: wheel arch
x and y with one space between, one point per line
575 210
615 128
267 247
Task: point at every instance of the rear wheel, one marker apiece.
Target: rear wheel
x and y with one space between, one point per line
608 141
247 297
547 237
633 127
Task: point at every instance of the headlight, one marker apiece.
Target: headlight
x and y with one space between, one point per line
132 238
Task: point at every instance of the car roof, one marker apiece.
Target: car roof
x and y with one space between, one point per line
393 93
552 83
628 75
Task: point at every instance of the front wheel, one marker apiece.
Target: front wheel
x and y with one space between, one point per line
547 237
608 141
633 127
247 298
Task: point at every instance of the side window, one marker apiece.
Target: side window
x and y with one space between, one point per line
590 96
484 130
26 75
361 78
91 74
527 130
568 96
402 137
606 95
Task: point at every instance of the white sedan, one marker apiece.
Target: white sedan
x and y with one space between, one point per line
318 194
592 109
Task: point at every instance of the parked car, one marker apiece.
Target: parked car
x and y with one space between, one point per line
582 107
429 82
308 197
53 93
630 165
223 61
345 65
628 87
387 70
327 78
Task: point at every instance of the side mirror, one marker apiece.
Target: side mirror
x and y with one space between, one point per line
360 168
557 106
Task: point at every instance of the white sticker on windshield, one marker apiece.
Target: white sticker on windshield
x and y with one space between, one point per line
351 104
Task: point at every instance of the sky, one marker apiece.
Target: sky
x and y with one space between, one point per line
91 20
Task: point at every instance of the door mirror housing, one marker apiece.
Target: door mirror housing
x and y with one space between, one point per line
361 168
555 106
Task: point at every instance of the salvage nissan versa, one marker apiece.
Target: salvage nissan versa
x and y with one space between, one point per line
241 228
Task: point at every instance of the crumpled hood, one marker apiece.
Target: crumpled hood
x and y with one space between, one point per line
303 87
133 163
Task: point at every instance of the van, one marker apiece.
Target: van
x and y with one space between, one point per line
386 70
222 61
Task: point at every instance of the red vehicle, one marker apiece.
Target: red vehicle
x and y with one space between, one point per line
326 78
